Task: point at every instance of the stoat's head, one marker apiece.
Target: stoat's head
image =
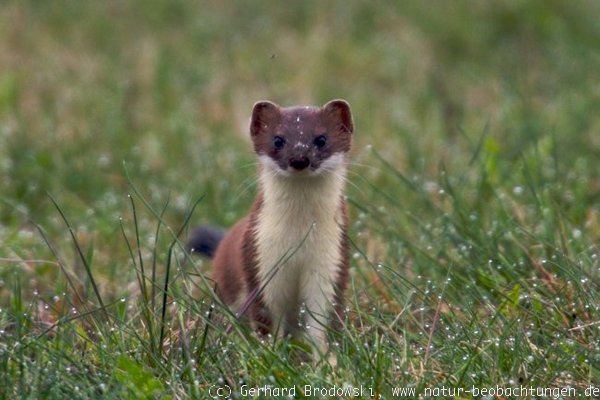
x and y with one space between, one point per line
302 141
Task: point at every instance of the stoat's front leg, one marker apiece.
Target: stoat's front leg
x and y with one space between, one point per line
318 298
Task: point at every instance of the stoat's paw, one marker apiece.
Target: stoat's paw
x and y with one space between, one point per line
332 360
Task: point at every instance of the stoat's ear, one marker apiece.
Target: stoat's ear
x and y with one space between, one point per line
337 115
265 115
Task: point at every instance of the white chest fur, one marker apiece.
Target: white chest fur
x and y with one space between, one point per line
298 236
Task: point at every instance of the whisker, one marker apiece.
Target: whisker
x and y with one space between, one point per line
344 178
248 165
253 181
355 163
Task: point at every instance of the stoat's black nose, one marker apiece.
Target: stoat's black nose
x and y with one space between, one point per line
299 163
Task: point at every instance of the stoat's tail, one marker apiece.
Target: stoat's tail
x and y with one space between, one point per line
204 240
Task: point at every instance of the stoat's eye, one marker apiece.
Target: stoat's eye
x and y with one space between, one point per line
320 141
278 142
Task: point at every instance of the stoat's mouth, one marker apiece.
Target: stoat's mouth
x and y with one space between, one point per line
295 174
331 164
310 171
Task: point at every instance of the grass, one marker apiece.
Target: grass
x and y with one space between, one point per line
474 192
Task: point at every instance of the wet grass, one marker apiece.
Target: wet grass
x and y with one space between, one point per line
474 192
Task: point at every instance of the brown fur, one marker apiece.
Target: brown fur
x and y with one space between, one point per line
301 125
228 264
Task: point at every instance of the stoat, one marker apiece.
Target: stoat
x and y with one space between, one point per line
286 262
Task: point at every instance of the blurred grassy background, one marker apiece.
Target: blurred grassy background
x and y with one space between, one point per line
488 110
168 86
